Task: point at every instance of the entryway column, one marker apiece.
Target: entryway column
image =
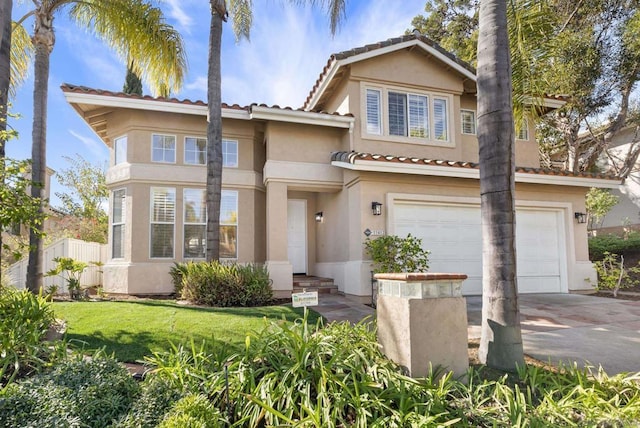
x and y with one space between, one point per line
280 270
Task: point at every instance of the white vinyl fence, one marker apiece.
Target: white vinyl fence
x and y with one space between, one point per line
66 247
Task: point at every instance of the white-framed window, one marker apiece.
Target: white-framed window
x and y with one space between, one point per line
523 130
374 117
468 120
163 217
195 151
195 223
118 217
417 116
120 150
229 153
163 148
229 224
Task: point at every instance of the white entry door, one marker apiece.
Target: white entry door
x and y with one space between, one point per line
297 234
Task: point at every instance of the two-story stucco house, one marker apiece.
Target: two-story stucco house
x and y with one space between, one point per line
384 144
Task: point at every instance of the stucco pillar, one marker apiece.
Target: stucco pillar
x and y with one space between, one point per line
422 321
280 270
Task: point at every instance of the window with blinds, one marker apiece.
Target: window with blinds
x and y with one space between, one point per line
523 131
195 151
229 224
195 223
397 114
374 122
468 120
163 148
418 116
440 125
163 215
118 217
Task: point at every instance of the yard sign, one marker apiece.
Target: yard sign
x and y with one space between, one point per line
308 298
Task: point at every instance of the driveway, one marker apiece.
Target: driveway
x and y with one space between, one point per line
570 327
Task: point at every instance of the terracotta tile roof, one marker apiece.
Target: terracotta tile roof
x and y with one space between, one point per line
416 35
352 157
66 87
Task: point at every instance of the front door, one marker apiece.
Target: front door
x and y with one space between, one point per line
297 234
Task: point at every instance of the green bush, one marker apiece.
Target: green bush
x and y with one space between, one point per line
177 272
193 411
156 398
391 253
217 284
614 275
87 393
24 321
601 244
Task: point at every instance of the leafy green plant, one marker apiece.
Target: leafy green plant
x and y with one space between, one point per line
613 275
77 392
177 272
598 203
156 398
194 410
71 271
24 321
392 253
218 284
626 245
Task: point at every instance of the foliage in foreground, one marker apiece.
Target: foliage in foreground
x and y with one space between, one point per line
222 284
311 376
391 253
24 321
613 274
86 393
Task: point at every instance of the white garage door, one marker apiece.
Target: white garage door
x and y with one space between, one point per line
453 235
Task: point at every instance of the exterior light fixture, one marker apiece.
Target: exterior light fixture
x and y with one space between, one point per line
319 217
581 217
376 208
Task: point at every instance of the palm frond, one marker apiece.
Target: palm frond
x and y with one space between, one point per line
139 34
21 55
242 18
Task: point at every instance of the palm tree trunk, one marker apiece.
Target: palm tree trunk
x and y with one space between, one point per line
6 6
501 338
43 40
214 132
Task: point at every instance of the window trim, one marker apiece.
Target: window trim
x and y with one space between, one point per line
151 222
115 151
185 223
475 121
122 223
237 144
175 148
385 136
184 151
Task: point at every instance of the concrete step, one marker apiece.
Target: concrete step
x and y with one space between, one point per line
313 283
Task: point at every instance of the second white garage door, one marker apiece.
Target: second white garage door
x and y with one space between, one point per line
453 235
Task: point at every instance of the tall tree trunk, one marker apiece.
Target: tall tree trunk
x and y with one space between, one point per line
43 40
501 340
214 131
6 6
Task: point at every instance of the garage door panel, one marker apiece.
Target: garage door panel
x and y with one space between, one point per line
453 234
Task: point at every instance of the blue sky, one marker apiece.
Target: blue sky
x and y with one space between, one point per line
290 44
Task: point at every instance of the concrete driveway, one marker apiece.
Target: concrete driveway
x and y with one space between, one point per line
568 327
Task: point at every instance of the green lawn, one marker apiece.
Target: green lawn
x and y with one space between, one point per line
133 329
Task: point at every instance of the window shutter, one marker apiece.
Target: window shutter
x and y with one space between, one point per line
373 112
468 122
397 114
418 116
440 119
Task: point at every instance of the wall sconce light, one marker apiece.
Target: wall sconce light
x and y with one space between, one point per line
376 208
319 217
581 217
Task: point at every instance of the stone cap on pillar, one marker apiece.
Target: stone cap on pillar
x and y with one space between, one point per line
420 285
420 276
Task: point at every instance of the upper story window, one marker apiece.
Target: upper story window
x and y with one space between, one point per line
523 131
468 120
163 148
195 151
416 116
120 150
229 153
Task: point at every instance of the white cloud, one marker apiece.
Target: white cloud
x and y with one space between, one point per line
176 12
94 146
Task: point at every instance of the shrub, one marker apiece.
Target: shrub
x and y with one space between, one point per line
156 398
177 272
217 284
599 245
193 411
391 253
91 393
24 321
613 275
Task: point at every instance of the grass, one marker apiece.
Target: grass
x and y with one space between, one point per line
134 329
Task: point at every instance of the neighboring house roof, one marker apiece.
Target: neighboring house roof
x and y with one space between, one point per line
424 166
336 64
88 102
